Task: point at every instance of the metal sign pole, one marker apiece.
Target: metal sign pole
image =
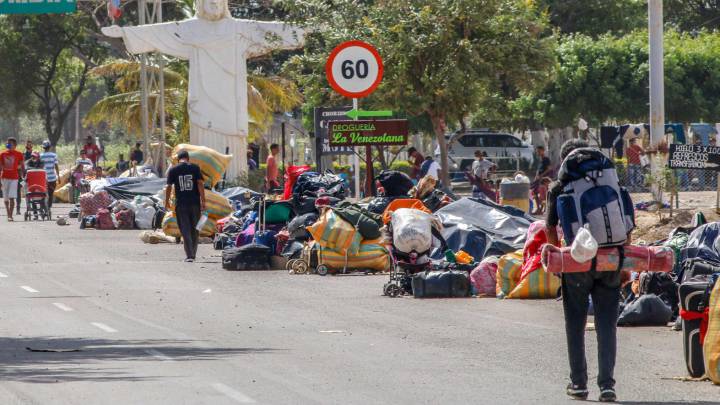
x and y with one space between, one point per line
357 160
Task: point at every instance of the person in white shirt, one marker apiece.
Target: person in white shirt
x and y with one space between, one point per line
480 170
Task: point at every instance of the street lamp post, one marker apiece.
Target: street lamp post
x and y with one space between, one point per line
657 89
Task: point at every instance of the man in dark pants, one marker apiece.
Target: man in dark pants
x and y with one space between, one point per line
186 179
604 288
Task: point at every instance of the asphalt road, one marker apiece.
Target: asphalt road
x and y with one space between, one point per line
153 330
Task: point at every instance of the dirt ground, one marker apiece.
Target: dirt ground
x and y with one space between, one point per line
653 226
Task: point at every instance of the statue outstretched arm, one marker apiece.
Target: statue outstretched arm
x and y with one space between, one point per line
266 36
165 38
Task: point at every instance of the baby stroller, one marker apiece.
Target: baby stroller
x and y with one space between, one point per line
36 195
413 234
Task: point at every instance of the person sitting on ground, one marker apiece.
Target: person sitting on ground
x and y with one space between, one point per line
99 173
11 168
122 165
187 181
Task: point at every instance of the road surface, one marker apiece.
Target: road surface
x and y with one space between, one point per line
135 325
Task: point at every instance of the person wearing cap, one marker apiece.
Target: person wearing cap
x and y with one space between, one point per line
92 151
34 162
49 161
187 181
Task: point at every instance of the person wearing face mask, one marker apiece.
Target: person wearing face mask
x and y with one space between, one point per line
11 168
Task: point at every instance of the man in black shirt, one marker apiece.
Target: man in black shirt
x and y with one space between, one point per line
189 186
604 288
136 155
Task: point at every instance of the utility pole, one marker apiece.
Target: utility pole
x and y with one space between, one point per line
657 89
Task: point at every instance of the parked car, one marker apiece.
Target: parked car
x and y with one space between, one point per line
507 151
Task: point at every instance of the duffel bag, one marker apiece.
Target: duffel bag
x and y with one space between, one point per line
646 310
249 257
441 284
694 299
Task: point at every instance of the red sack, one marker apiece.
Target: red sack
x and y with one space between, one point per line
104 219
536 238
90 203
291 175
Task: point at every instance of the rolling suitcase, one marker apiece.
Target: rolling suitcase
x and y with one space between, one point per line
694 298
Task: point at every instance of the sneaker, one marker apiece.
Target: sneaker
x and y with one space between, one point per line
189 260
577 391
607 395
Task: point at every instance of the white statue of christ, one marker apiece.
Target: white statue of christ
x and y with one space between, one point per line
217 47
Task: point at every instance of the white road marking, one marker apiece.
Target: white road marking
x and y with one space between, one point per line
29 289
158 354
332 331
103 327
233 394
3 275
62 306
208 291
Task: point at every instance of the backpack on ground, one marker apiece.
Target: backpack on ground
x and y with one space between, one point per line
441 284
249 257
591 195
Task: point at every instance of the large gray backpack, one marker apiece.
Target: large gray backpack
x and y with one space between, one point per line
591 196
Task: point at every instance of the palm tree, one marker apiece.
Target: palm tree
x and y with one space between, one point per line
266 96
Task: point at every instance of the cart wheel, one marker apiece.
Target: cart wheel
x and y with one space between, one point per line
27 216
290 264
322 270
300 267
392 290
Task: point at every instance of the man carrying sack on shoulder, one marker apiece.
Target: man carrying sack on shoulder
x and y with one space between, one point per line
587 195
187 180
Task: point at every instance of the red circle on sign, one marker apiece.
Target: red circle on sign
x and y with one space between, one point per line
331 78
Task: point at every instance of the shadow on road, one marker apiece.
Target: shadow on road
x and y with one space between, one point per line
17 363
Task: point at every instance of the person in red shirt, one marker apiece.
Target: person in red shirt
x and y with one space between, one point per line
11 166
271 176
634 151
91 150
416 159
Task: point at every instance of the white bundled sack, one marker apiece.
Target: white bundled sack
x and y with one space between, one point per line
412 230
144 210
584 247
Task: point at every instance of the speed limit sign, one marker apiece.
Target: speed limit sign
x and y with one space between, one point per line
354 69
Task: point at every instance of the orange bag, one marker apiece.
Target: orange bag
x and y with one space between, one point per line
403 203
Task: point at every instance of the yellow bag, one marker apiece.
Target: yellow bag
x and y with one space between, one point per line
333 232
212 163
62 194
371 256
711 346
216 205
63 178
170 227
538 284
508 273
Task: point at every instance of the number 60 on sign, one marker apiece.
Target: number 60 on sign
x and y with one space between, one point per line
354 69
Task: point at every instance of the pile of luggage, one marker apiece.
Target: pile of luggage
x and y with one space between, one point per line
99 210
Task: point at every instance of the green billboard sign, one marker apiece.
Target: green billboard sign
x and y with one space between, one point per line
37 6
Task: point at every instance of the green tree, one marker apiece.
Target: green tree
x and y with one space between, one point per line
596 17
49 57
442 57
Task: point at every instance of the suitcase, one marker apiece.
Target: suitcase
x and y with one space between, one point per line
104 219
249 257
441 284
694 296
698 267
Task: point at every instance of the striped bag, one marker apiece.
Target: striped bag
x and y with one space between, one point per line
537 284
711 346
213 164
508 273
170 227
216 205
371 256
333 232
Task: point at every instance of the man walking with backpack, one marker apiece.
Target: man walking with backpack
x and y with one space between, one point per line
588 194
189 186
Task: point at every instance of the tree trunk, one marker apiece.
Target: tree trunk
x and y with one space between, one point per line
438 123
381 157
